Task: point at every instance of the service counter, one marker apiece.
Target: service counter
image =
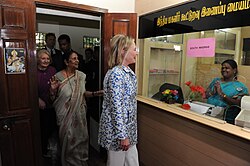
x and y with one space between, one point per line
170 135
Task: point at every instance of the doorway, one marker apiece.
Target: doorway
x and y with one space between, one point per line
84 31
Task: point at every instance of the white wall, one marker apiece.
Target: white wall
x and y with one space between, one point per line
115 6
146 6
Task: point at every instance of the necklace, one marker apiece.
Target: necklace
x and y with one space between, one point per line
41 68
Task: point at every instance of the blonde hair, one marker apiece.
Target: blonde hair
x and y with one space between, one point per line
117 44
43 51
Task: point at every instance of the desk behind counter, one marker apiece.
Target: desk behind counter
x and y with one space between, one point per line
169 135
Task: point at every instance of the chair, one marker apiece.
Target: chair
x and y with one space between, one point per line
231 112
159 96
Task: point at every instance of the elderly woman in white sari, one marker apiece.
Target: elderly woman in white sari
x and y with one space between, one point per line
68 92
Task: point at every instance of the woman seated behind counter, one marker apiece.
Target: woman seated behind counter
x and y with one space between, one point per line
227 91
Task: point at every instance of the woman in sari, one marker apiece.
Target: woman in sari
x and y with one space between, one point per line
68 91
227 91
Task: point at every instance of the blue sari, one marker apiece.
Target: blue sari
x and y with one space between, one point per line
233 89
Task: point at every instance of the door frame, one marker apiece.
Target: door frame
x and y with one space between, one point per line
76 8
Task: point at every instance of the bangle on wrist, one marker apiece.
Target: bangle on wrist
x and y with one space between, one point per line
223 95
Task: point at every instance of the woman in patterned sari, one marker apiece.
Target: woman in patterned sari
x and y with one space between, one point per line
227 91
68 91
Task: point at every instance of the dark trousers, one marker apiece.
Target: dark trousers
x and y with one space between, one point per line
48 127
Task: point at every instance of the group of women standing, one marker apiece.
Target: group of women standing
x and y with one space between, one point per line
65 92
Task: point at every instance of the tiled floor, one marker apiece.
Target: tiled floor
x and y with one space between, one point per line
95 159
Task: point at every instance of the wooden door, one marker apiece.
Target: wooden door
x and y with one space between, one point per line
116 23
112 24
19 123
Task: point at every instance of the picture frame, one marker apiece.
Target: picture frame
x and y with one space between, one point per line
14 60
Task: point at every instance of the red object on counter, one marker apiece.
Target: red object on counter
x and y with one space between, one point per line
186 106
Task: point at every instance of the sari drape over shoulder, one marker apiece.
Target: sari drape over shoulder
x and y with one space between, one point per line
70 107
232 89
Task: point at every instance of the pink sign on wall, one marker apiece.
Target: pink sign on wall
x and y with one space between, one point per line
204 47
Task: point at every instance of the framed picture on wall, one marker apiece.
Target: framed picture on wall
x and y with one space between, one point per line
14 60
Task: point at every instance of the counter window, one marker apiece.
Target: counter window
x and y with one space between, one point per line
164 59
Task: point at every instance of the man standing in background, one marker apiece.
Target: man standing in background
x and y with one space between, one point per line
57 58
65 46
92 69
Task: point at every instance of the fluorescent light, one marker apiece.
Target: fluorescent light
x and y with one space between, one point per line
66 14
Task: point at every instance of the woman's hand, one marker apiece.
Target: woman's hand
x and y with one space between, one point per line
94 93
217 88
42 104
227 99
125 144
209 92
99 93
54 84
